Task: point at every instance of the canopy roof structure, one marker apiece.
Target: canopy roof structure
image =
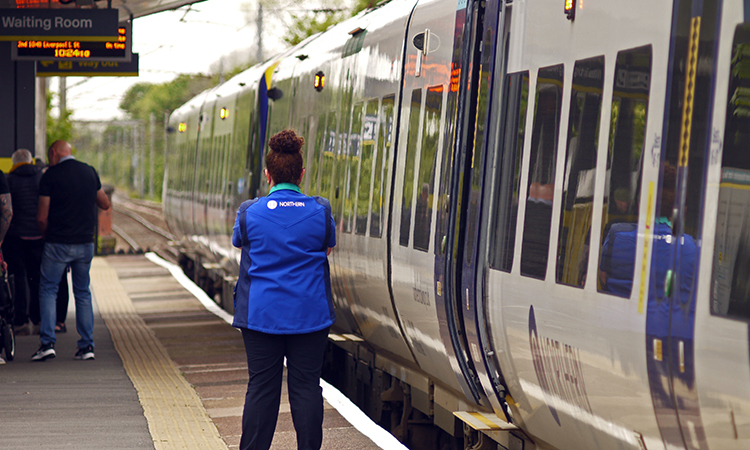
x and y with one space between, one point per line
126 8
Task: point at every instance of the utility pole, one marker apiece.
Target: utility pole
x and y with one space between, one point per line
63 96
152 133
259 26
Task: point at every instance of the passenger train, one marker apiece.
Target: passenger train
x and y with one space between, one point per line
542 208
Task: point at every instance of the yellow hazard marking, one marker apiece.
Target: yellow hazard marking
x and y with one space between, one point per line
657 350
646 244
688 100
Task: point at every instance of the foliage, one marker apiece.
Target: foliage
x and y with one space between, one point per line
58 127
318 20
143 99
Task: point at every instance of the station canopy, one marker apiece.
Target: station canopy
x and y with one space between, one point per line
126 8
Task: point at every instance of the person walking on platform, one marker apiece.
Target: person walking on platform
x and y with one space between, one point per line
69 193
283 303
23 244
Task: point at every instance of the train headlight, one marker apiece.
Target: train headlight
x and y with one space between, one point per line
570 9
320 81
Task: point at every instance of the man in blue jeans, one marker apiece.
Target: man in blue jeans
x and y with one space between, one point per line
69 193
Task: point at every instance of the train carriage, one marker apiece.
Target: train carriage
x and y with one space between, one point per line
541 211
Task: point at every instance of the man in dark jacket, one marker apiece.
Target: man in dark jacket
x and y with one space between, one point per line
69 193
23 244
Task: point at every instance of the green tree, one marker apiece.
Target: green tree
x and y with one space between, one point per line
58 127
317 20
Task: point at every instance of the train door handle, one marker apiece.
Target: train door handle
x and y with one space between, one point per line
668 281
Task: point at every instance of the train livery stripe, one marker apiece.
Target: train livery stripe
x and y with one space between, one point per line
646 245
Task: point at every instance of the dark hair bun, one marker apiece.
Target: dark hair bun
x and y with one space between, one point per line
286 141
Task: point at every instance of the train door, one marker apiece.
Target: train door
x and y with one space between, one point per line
676 225
723 326
459 193
475 157
422 135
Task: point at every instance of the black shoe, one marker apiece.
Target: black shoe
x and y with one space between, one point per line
85 353
45 351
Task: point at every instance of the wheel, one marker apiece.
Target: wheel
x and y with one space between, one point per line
9 342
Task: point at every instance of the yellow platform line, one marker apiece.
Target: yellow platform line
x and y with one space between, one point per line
175 414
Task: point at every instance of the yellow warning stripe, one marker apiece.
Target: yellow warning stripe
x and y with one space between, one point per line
690 74
480 417
735 186
646 244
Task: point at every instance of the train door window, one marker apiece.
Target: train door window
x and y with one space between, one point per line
407 194
580 168
327 160
385 133
730 290
627 132
317 150
352 168
426 181
508 179
369 130
542 164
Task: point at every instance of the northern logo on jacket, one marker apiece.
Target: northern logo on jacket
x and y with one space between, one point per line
273 204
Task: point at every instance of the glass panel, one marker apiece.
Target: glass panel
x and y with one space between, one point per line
542 163
730 290
426 181
326 158
580 169
351 166
624 164
407 196
316 150
385 133
508 179
365 171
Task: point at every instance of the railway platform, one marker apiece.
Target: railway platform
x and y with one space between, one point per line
169 373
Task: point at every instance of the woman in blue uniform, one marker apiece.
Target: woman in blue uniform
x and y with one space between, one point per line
283 303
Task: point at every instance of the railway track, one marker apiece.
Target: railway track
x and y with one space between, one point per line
139 226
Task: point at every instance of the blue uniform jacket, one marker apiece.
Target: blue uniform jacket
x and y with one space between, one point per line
284 283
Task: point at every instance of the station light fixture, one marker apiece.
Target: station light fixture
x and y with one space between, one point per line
224 113
320 81
570 9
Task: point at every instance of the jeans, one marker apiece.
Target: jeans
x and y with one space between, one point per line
54 260
265 363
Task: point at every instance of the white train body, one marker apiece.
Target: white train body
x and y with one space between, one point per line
541 213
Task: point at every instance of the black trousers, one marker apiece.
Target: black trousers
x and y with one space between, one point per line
265 365
24 258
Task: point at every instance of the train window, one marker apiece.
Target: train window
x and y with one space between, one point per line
426 180
623 177
407 194
385 131
327 157
542 164
369 129
508 178
316 150
580 168
351 169
730 290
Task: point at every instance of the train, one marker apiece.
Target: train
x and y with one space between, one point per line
542 209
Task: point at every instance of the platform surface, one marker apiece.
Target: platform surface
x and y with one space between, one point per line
168 374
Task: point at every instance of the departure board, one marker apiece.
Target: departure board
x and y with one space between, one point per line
118 50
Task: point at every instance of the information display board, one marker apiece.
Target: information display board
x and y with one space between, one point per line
116 50
58 24
72 68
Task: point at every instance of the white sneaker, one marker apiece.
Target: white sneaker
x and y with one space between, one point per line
2 361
